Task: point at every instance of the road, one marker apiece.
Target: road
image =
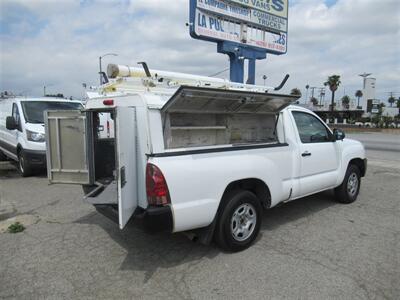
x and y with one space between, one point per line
382 149
313 248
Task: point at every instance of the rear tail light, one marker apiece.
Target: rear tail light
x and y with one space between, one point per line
108 102
156 186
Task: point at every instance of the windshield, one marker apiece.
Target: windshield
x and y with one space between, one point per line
33 110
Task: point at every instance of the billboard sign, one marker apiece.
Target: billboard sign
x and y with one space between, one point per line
277 8
375 110
268 19
212 27
260 24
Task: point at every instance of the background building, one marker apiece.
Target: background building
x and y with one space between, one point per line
369 91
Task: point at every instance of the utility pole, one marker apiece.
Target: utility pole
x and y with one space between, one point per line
321 94
313 88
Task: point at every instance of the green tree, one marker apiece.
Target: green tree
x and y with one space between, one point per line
295 92
346 101
391 100
333 82
397 120
381 106
358 94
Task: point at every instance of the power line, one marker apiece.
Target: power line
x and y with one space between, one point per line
220 72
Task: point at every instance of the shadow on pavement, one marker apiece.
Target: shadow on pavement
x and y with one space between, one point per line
297 209
8 170
150 252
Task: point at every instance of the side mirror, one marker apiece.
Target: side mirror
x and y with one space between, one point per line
339 134
10 123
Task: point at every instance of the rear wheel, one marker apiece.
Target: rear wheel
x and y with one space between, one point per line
239 221
348 191
3 157
24 166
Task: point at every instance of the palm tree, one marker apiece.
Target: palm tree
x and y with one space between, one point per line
314 101
295 92
345 101
333 82
358 94
307 87
391 100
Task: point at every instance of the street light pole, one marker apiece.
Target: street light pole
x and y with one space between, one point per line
100 58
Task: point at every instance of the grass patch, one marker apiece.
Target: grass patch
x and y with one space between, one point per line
16 227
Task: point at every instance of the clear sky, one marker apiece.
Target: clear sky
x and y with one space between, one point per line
57 43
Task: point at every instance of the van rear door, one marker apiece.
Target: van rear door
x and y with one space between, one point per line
125 127
71 152
68 144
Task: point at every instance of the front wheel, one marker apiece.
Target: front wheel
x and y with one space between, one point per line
24 166
239 221
3 157
348 191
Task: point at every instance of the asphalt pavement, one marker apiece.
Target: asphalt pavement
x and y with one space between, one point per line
312 248
382 149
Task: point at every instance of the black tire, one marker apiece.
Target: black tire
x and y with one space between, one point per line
23 165
348 191
230 214
3 157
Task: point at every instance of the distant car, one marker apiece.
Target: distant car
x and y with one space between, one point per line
22 136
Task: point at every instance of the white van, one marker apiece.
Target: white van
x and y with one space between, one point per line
22 135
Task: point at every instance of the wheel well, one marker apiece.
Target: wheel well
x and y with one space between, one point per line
254 185
360 164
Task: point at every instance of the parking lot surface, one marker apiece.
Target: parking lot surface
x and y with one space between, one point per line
313 248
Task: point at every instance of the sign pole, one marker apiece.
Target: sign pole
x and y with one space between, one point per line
237 54
252 72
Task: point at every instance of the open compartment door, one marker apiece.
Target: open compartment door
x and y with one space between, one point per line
209 100
68 144
125 127
206 117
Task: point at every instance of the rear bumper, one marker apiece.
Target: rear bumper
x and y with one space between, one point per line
35 157
156 218
153 219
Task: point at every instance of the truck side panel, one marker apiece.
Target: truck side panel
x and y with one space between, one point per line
350 150
196 191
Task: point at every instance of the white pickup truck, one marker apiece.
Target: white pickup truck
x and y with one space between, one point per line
198 154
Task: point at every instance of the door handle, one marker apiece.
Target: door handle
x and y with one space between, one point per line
306 154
